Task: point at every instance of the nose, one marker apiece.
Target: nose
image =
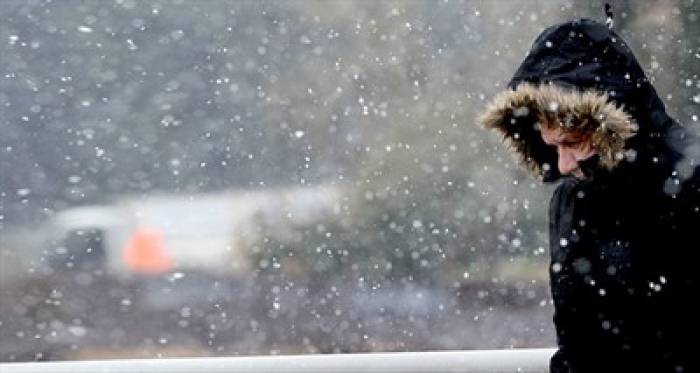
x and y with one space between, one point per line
567 162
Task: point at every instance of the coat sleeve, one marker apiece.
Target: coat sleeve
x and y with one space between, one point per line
561 221
572 250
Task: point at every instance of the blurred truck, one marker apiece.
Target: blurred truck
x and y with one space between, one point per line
216 233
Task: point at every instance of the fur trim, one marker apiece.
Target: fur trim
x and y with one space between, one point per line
516 115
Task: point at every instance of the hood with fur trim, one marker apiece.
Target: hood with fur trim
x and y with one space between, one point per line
581 75
516 115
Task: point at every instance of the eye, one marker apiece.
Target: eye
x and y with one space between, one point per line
571 144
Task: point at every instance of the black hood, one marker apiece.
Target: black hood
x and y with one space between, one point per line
587 55
582 75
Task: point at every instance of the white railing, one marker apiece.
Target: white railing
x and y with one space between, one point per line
496 361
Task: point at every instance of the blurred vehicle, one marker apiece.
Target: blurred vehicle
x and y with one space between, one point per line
214 233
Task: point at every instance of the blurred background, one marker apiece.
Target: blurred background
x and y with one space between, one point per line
220 178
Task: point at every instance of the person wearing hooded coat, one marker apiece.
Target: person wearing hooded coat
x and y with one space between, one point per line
624 237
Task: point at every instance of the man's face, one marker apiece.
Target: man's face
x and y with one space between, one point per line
572 148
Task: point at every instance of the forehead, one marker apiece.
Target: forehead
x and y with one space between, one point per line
555 134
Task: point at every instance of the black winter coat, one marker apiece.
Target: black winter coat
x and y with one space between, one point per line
625 241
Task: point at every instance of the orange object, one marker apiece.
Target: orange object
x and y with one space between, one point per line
145 252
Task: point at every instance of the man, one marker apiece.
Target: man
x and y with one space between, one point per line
625 215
